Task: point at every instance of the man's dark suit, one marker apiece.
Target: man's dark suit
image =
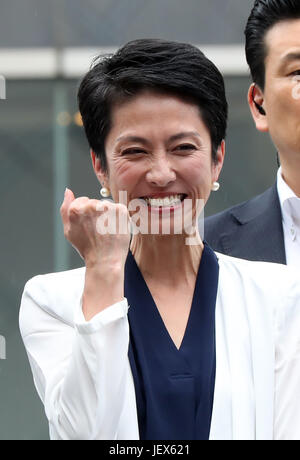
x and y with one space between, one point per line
251 230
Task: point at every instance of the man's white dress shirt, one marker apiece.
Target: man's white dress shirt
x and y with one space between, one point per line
290 208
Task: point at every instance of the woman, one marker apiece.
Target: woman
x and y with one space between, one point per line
206 348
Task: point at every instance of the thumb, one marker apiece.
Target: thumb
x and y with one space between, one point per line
68 198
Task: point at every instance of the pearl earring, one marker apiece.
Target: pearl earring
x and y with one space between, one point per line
104 192
215 186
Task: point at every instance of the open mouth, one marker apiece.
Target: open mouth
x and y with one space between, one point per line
167 202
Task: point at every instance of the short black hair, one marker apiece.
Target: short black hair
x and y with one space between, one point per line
151 64
264 15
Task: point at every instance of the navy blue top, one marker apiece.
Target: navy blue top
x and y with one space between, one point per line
174 388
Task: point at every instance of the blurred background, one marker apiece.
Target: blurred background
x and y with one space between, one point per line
45 48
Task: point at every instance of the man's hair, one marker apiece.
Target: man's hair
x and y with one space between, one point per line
174 68
264 15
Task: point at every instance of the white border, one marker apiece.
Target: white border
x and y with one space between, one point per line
23 63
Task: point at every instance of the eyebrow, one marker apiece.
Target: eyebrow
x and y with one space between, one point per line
173 138
139 139
291 57
182 135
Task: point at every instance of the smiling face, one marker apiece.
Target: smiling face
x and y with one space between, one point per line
281 95
159 149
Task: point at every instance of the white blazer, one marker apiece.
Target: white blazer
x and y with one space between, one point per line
83 376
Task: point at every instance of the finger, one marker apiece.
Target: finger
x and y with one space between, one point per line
102 205
68 199
124 222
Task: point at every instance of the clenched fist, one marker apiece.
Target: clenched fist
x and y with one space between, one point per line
83 221
104 252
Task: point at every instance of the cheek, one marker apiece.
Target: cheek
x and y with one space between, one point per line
199 173
125 174
281 102
283 119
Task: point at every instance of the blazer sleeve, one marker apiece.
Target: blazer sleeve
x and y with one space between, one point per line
287 370
80 370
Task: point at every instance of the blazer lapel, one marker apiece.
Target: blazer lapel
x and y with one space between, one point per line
257 233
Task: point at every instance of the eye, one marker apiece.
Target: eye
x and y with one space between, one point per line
133 151
295 73
185 147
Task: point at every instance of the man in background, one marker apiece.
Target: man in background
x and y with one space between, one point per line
267 227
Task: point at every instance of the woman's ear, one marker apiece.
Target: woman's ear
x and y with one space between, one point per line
256 104
218 162
101 175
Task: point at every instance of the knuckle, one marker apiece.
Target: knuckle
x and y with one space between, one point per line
105 202
102 205
82 199
78 206
122 208
74 210
91 207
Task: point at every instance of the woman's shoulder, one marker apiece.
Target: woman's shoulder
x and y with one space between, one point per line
265 276
56 278
261 295
252 266
56 283
55 293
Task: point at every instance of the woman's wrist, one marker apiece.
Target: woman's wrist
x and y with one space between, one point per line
105 263
104 286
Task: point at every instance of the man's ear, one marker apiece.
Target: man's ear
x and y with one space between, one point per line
101 175
256 104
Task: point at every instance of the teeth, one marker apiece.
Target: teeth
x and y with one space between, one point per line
167 201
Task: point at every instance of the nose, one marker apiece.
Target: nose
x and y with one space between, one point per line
161 172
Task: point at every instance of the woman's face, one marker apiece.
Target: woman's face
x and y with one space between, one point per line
158 148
